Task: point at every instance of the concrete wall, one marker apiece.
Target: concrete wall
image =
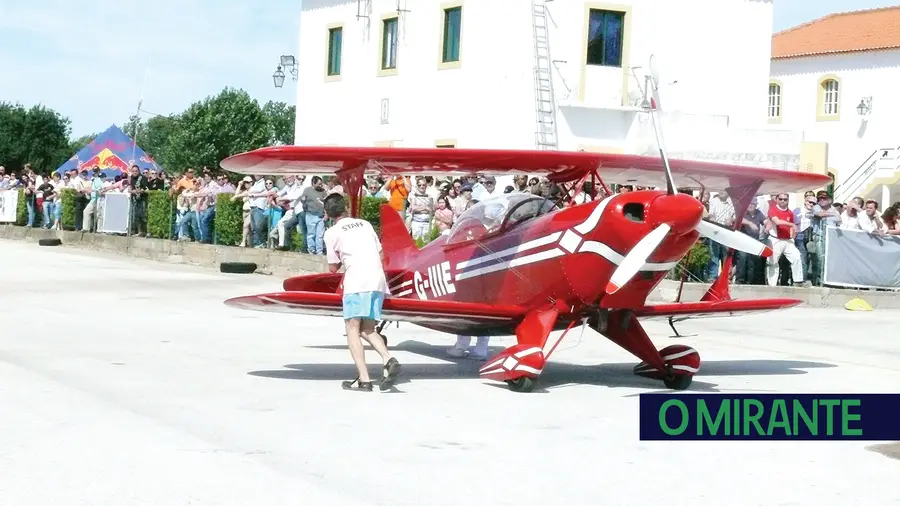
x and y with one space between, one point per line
203 255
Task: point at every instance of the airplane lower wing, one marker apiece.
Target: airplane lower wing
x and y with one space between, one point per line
690 310
433 312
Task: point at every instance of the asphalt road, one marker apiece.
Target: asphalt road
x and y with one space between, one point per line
126 381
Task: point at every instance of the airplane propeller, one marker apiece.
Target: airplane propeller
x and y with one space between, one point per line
681 212
733 238
636 258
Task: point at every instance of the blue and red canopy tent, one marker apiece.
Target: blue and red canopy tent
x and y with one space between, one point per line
113 151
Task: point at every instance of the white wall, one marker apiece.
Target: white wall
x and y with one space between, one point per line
720 60
851 140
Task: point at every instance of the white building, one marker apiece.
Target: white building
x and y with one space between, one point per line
466 73
835 80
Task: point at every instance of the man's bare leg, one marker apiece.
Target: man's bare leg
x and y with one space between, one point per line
356 349
368 332
391 367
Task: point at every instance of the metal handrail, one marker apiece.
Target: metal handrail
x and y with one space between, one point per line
860 175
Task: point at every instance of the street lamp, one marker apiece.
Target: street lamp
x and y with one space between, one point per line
290 64
865 106
278 77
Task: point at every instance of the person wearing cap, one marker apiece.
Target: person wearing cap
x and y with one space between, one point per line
824 215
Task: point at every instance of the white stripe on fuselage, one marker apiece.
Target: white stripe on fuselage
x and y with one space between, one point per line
513 262
465 271
535 243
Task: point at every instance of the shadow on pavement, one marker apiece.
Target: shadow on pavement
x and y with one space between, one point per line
556 374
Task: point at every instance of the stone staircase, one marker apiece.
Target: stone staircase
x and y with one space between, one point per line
881 167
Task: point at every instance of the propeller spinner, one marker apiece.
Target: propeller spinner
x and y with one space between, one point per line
681 213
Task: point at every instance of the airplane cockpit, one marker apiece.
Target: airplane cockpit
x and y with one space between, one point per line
502 212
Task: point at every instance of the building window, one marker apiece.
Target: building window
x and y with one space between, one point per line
830 97
774 100
389 44
606 33
335 36
452 27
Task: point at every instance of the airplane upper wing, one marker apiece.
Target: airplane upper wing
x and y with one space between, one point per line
395 309
560 166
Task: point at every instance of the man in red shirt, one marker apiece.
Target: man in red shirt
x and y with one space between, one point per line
782 235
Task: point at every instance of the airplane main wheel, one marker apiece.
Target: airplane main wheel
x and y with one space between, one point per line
523 384
678 381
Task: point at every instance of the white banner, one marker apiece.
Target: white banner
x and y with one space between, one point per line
858 259
9 202
116 213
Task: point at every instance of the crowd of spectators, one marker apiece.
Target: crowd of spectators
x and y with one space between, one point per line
274 208
797 236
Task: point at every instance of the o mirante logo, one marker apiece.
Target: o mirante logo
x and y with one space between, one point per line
864 417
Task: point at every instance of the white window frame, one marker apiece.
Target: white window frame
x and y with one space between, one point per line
774 100
830 97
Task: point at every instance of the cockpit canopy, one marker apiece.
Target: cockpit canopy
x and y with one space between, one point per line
498 213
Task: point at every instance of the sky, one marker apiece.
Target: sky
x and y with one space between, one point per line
93 60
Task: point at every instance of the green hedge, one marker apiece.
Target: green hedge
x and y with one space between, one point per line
160 214
67 214
228 225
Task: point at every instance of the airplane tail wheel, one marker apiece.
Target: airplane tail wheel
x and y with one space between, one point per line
522 384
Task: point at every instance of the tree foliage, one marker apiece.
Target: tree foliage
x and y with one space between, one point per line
39 136
206 132
281 122
218 127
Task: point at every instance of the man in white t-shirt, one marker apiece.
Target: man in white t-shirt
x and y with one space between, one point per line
353 244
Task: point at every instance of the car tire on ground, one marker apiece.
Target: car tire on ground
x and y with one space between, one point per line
237 267
54 241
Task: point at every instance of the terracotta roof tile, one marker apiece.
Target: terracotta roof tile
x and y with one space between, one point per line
845 32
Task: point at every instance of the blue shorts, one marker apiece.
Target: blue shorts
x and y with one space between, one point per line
365 305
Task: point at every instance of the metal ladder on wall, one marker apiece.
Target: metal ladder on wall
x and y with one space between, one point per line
545 103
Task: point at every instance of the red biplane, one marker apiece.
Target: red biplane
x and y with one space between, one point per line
518 264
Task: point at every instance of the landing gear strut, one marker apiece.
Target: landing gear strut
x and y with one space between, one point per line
675 365
672 321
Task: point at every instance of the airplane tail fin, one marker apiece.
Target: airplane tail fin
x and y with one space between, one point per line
395 237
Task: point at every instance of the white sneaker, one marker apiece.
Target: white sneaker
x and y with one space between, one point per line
453 351
474 355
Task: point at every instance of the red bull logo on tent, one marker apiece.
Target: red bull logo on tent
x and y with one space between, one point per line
106 160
